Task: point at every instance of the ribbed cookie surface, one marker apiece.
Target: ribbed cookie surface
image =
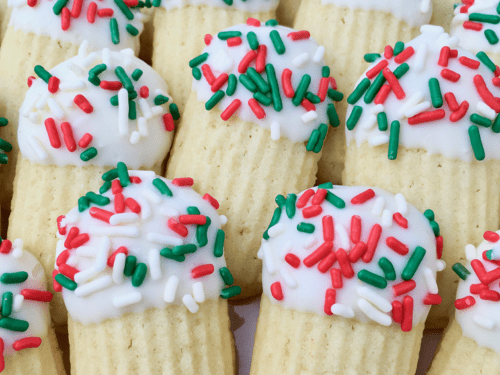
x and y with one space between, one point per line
292 343
158 341
347 35
237 163
464 197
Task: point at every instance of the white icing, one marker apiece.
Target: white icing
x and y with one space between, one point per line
309 292
105 293
35 313
290 121
41 20
480 322
413 12
109 125
450 139
245 5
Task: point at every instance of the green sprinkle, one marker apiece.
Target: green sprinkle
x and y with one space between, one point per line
436 96
354 117
196 73
14 277
226 276
333 117
277 42
115 33
291 199
100 200
156 3
5 146
137 74
3 122
359 91
110 175
394 140
274 220
491 36
231 85
125 10
3 158
480 120
496 125
247 83
114 100
280 200
58 6
326 185
300 93
198 60
325 71
192 210
139 274
262 99
435 228
272 22
323 129
148 4
262 85
314 99
96 81
313 139
83 204
105 187
123 174
275 89
167 253
214 100
387 268
372 279
382 122
14 324
98 69
306 227
486 61
371 57
231 291
132 112
219 243
42 73
65 282
335 200
484 18
162 187
201 233
130 263
252 40
123 77
160 99
429 214
225 35
184 249
475 141
373 90
335 95
398 48
228 2
7 304
174 111
401 70
460 270
498 8
413 263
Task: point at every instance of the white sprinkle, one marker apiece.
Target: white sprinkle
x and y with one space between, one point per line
19 243
29 105
377 140
67 102
486 110
275 130
223 219
411 102
342 310
375 110
431 29
343 236
288 278
123 112
410 112
79 72
55 108
145 208
18 303
484 322
425 6
287 248
318 55
374 314
82 50
17 253
260 254
94 286
420 56
154 264
470 252
440 265
127 299
156 110
101 259
190 303
309 116
459 19
144 106
135 137
198 292
76 84
125 218
369 122
152 196
118 268
168 211
268 258
300 60
378 207
16 3
430 281
115 231
386 218
42 102
401 203
89 60
309 242
86 251
276 230
106 58
86 275
142 126
162 239
379 301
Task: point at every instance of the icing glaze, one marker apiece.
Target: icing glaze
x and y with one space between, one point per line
470 24
245 5
25 289
73 25
59 126
5 146
229 57
480 320
149 218
367 229
459 122
413 12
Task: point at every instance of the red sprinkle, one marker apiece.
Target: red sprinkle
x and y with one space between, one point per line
183 181
308 105
485 94
327 262
373 72
286 82
231 109
110 85
388 52
256 108
65 19
76 9
372 243
298 35
400 220
99 214
36 295
465 303
260 61
496 262
407 322
461 112
397 246
439 246
73 232
82 102
403 287
450 75
454 53
91 12
69 139
68 271
31 3
80 240
478 288
55 285
208 39
135 179
219 82
382 94
394 83
397 311
31 79
120 250
496 81
168 122
318 254
363 197
5 246
2 358
444 56
276 291
85 140
215 204
323 88
405 55
203 270
333 83
292 260
471 25
355 228
193 219
50 126
319 197
311 211
491 236
253 22
62 258
132 205
116 187
357 252
451 101
119 203
246 60
207 72
53 85
233 42
304 198
345 265
465 61
336 277
432 299
105 12
328 233
61 229
27 342
330 296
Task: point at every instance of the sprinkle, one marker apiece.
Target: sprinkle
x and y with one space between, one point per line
359 91
477 145
489 295
330 296
171 289
485 94
394 83
198 292
378 207
65 282
127 299
345 264
190 303
305 227
231 109
203 270
125 10
230 292
139 274
14 277
394 140
388 269
413 263
407 321
354 117
372 279
277 42
397 246
276 291
363 197
342 310
374 314
465 303
486 110
320 253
